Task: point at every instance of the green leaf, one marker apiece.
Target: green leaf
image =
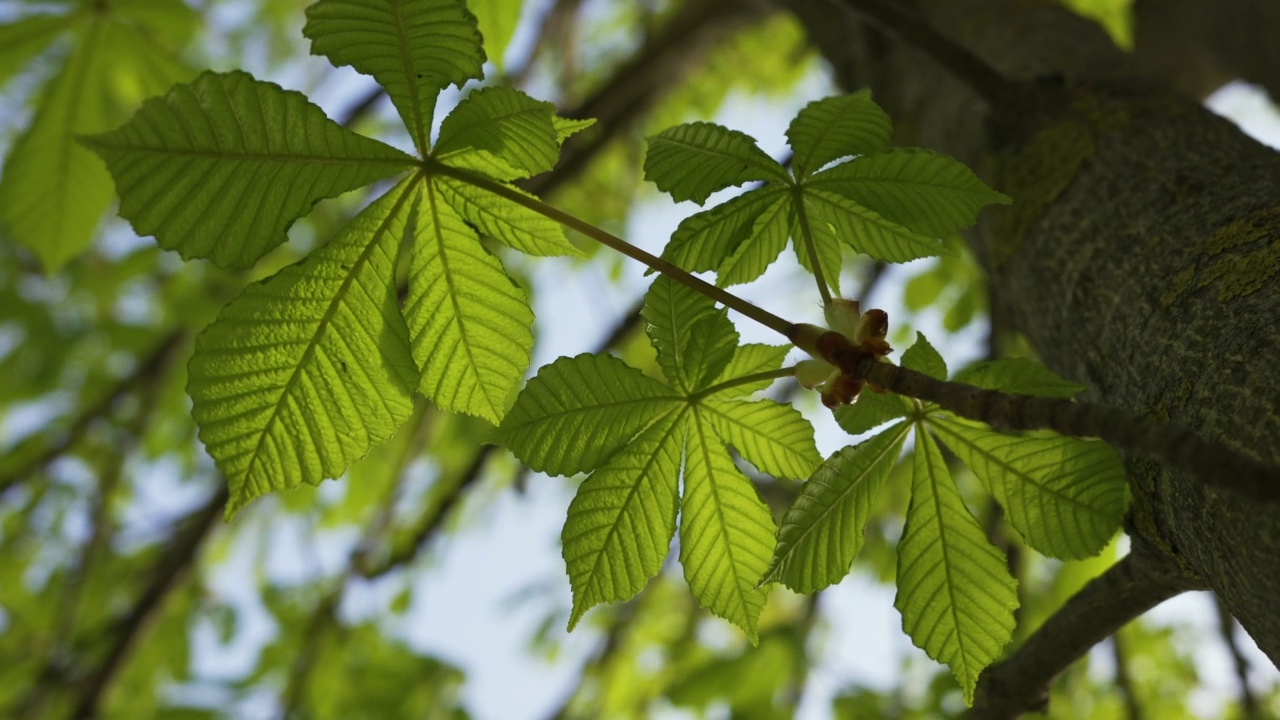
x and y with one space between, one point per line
871 410
692 161
620 523
577 412
497 20
1018 375
920 189
511 224
23 40
774 437
1065 496
822 532
726 531
923 358
53 192
835 127
568 127
954 590
413 48
866 231
750 359
754 255
706 239
504 127
470 323
307 370
694 339
220 168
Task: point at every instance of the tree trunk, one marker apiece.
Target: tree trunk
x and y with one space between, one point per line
1140 256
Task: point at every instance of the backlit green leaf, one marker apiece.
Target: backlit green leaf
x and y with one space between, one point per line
507 126
866 231
470 323
706 239
920 189
750 359
53 192
774 437
220 168
822 531
497 20
307 370
826 244
22 40
836 127
695 340
754 255
1065 496
726 531
620 523
413 48
870 410
954 589
692 161
923 358
511 224
568 127
1018 375
577 412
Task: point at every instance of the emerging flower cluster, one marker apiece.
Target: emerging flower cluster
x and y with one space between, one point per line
865 332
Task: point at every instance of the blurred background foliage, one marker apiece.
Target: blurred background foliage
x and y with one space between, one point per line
124 594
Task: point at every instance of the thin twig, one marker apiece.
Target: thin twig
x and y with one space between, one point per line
1124 682
1138 582
182 552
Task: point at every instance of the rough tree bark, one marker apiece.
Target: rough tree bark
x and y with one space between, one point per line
1141 256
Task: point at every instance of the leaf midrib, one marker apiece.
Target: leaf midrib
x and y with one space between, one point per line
901 429
703 447
945 426
948 571
406 161
325 320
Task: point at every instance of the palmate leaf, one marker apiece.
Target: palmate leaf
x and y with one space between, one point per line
919 189
470 323
726 531
413 48
871 409
577 412
827 245
694 338
307 370
835 127
1065 496
501 132
220 168
620 523
692 161
822 532
954 590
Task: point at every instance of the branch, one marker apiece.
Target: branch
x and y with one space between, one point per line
1175 446
1124 682
183 548
1002 94
1227 628
146 371
1131 587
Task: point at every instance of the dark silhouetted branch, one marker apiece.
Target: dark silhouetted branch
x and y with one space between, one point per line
1138 582
1249 709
